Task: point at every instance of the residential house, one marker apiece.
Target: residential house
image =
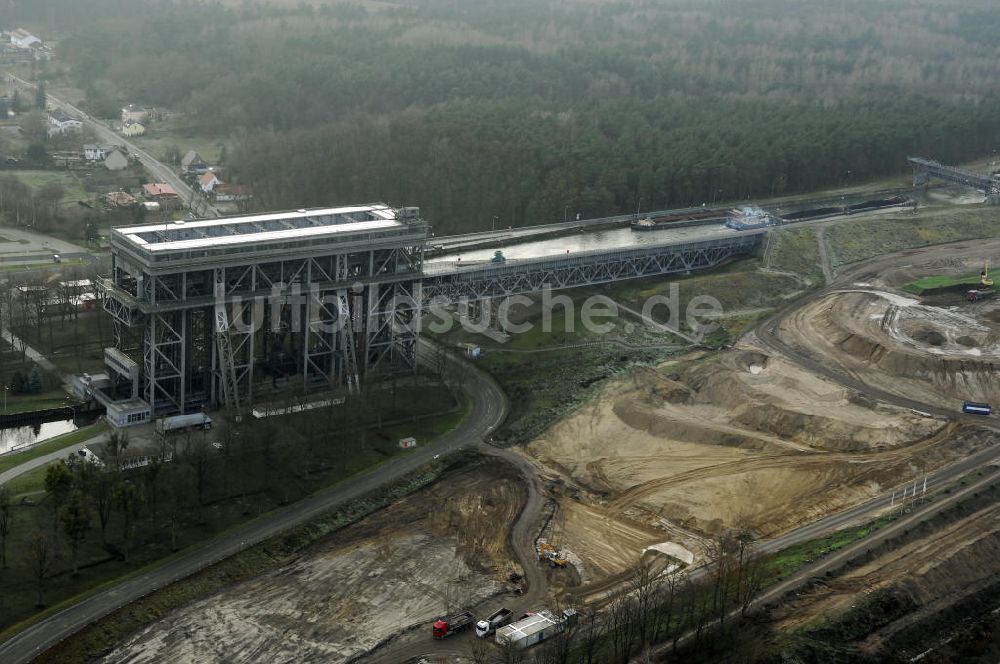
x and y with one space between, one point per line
60 123
133 113
193 163
133 129
208 181
116 161
21 38
161 193
227 193
97 152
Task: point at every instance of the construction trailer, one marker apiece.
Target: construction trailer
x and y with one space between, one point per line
535 628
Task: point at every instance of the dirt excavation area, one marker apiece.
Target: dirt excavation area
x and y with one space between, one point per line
936 354
443 548
709 442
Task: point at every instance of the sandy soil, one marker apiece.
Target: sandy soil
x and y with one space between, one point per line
941 355
442 549
680 453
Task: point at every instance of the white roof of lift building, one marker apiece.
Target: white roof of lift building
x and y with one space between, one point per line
253 229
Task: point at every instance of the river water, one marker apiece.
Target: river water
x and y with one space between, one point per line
614 238
26 435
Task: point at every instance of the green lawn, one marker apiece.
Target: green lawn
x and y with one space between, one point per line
73 190
175 132
795 557
921 286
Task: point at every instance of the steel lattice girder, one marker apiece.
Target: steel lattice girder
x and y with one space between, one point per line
576 271
923 168
391 331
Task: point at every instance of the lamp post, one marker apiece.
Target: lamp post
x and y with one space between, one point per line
495 220
566 213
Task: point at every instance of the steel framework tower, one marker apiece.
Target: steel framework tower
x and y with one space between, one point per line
220 311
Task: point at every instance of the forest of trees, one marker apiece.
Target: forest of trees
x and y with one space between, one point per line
529 109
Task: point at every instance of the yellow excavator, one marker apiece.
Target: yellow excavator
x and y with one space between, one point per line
985 288
550 554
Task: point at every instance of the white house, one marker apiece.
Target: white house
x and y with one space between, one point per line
21 38
60 123
95 152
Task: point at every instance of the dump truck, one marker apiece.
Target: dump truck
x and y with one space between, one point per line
445 627
166 425
535 628
492 622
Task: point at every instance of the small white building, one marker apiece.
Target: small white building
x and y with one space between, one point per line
208 181
60 123
95 152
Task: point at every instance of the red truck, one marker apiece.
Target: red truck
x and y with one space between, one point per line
445 627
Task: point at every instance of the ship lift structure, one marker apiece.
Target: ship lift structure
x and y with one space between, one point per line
235 311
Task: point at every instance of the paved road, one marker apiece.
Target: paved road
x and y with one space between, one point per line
489 407
159 171
25 245
27 466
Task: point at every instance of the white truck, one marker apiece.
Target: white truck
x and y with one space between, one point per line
535 628
492 622
166 425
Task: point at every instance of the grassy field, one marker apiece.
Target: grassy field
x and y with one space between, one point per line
174 132
861 239
23 403
796 557
939 282
796 250
73 190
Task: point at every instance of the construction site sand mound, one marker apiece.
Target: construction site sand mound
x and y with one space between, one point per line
440 549
927 353
693 448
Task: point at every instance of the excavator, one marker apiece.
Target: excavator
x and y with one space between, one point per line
985 288
550 554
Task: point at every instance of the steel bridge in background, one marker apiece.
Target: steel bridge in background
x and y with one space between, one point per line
449 284
925 169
